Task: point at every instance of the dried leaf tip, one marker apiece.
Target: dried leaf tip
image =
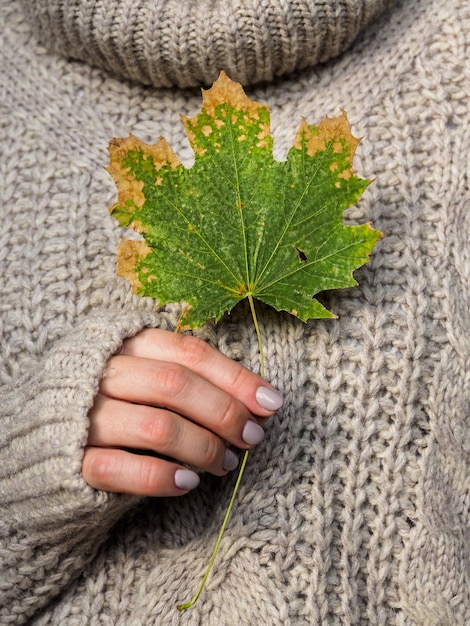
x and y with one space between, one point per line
331 129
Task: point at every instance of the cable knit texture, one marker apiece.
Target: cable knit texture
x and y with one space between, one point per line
170 42
356 507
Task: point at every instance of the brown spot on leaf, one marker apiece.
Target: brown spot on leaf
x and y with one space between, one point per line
129 254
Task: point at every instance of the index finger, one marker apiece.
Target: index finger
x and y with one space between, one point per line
259 397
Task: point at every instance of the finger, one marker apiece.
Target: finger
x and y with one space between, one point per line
255 393
175 387
123 472
118 424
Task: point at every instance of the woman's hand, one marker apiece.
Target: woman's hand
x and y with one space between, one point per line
178 397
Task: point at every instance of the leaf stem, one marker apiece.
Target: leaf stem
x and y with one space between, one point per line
183 607
258 334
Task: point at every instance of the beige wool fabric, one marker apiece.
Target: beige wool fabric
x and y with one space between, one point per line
355 509
169 42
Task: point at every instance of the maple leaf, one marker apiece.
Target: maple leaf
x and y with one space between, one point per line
239 223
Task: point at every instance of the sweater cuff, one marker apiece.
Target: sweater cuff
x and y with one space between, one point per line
45 425
52 522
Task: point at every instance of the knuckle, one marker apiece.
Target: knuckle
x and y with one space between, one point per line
172 379
230 414
149 476
194 351
238 378
98 467
159 431
211 452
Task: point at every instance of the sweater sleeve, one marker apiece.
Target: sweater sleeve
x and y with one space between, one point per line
52 523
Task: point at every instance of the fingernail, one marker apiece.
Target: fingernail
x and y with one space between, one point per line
252 433
269 399
186 479
230 460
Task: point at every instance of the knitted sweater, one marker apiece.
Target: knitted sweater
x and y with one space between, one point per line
355 509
